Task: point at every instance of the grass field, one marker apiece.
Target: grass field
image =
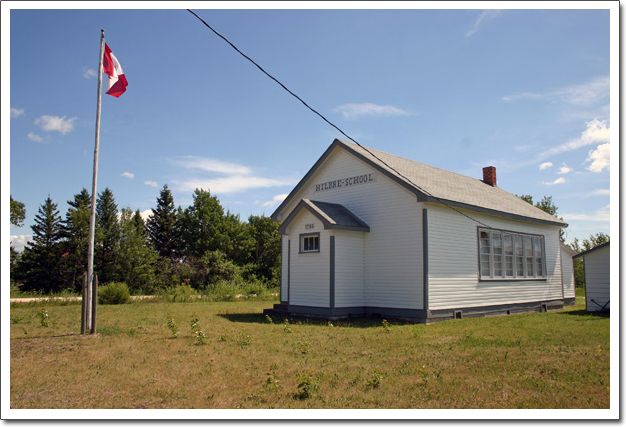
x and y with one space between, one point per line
234 357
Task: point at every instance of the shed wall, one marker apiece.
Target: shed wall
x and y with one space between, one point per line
598 278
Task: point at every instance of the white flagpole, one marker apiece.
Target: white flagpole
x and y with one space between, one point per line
92 219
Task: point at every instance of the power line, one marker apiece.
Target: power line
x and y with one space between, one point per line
333 125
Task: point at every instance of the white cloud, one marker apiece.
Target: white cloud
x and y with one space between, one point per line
230 184
275 200
555 182
581 95
601 215
60 124
522 95
34 137
128 175
485 16
564 169
599 192
15 112
89 73
146 214
213 165
600 158
545 165
597 131
151 184
19 241
585 94
367 109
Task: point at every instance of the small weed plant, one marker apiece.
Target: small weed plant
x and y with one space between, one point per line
244 339
171 325
386 326
201 339
44 317
269 319
272 382
306 385
375 380
287 327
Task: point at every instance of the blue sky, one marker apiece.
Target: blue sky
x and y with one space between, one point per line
524 90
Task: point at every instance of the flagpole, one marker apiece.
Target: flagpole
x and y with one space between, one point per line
92 219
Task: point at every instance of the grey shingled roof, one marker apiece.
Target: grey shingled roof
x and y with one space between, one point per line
436 185
332 215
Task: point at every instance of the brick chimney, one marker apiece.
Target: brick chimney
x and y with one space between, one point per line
489 176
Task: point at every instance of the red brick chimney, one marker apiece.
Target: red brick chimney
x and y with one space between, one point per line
489 176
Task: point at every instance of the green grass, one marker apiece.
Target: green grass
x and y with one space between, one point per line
558 359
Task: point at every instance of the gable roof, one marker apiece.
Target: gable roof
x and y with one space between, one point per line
431 184
332 215
582 254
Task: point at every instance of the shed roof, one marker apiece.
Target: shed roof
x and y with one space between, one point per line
582 254
436 185
332 215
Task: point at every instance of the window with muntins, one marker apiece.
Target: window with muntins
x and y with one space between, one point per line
310 242
510 256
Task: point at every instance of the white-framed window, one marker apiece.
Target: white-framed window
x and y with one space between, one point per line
309 242
508 255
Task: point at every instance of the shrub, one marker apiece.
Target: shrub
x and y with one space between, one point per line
223 290
113 293
179 293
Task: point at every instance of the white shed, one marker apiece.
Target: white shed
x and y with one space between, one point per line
597 277
366 232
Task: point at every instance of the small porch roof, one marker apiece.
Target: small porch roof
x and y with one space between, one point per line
332 215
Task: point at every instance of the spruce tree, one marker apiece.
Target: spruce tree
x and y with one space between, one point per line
76 233
137 258
107 237
40 267
162 225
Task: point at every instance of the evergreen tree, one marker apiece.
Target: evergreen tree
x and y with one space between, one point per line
140 224
40 267
76 233
137 258
162 225
107 237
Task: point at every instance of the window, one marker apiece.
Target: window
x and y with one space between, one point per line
507 255
309 242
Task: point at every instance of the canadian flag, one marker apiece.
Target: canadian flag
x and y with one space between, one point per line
111 67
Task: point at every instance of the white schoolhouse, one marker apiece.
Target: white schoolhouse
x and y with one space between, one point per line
369 233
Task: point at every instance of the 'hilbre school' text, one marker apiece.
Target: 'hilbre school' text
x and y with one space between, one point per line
346 182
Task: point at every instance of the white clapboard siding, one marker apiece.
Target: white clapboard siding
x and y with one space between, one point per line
567 271
453 262
284 269
309 282
393 247
349 268
598 278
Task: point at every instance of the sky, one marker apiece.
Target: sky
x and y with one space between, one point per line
525 90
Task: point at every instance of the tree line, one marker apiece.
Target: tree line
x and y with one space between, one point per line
198 246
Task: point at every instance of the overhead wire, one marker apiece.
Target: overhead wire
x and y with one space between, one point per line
336 127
